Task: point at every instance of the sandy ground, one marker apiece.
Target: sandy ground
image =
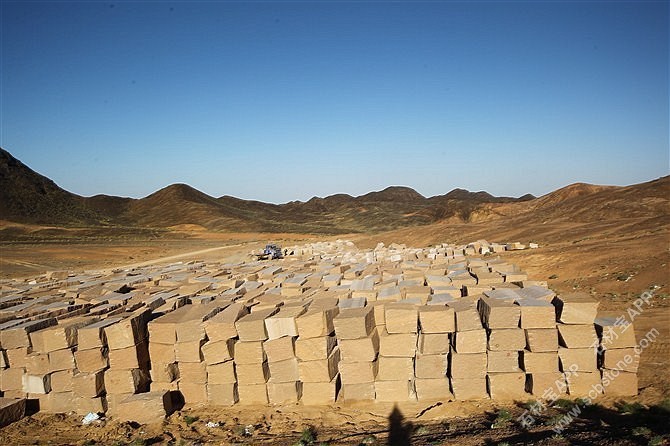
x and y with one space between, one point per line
615 266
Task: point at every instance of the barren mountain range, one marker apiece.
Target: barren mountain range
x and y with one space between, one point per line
30 198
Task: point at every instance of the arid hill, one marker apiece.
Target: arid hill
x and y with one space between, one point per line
30 198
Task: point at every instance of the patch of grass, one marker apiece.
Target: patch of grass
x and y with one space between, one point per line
563 403
138 442
188 419
421 430
553 276
642 431
369 440
307 437
503 418
554 420
658 440
531 404
665 405
625 407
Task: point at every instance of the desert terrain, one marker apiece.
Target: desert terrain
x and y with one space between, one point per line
610 242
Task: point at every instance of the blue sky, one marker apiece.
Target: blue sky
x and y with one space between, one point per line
280 101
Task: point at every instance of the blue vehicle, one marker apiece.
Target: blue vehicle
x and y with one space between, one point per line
271 252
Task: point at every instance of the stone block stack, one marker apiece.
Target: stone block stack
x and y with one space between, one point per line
129 364
505 341
539 358
436 324
467 356
578 342
317 352
284 384
397 349
218 354
251 365
358 341
334 324
618 358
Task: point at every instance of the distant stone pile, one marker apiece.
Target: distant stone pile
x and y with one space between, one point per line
329 324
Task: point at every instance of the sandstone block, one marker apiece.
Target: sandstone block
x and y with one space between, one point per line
576 308
507 386
126 381
430 366
284 371
61 360
431 389
497 313
467 316
252 326
88 385
397 345
471 341
358 372
93 335
11 410
361 349
618 383
215 352
221 327
437 319
536 313
469 388
312 349
317 322
433 343
279 349
539 362
613 335
249 352
583 359
542 339
392 369
320 370
623 359
503 361
195 394
546 383
221 373
135 357
145 408
393 391
222 394
192 372
62 381
252 394
401 318
40 384
283 323
506 339
284 392
91 360
358 391
583 383
249 374
320 393
467 366
354 323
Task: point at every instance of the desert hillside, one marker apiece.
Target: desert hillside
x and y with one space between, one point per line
30 198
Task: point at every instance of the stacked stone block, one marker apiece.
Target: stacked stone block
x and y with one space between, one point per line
331 325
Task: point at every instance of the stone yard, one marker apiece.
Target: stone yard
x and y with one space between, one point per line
330 323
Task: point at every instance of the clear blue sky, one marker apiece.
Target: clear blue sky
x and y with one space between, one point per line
278 101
